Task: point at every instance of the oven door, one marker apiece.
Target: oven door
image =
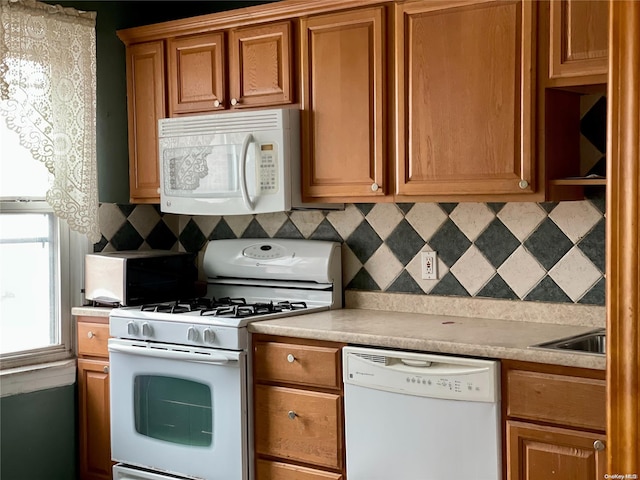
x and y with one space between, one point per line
179 409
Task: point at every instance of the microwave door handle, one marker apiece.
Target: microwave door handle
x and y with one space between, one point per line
243 172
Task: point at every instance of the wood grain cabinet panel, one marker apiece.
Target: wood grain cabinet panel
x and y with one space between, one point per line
196 73
145 105
343 99
95 432
268 470
299 364
579 39
565 400
260 70
299 425
464 97
540 453
94 427
93 338
555 422
298 409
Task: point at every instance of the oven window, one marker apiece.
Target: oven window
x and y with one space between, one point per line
173 409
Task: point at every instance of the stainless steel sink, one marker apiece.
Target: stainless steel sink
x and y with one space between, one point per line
590 342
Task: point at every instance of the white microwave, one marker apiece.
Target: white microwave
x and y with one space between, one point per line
230 163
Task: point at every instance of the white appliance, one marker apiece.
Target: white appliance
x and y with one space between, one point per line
180 371
230 163
416 416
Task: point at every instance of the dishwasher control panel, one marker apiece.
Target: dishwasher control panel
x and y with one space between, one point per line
421 374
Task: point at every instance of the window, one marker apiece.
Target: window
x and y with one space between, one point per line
38 285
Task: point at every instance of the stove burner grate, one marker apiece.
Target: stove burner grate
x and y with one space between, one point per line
224 307
252 309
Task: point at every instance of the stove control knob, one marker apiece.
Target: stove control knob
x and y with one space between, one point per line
192 334
147 331
132 328
209 335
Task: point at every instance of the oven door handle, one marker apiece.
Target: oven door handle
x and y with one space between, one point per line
209 358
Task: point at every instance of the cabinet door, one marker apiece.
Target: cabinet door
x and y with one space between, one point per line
464 97
94 427
343 97
146 105
270 470
579 38
196 73
299 425
260 70
541 452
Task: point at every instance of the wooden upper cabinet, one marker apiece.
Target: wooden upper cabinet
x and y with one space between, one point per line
196 73
579 39
258 59
260 71
145 105
465 99
343 101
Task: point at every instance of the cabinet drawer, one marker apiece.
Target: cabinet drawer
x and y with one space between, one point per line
299 364
92 339
564 400
266 470
299 425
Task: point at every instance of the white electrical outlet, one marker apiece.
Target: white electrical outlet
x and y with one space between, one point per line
429 265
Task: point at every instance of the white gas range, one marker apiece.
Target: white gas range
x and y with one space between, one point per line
180 371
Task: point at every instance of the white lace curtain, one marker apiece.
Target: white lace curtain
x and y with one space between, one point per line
48 97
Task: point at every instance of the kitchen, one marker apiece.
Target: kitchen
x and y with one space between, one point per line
372 241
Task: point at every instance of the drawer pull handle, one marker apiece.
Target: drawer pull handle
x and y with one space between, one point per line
292 415
90 334
291 358
599 445
105 369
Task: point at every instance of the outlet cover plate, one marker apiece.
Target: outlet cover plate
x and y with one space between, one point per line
429 261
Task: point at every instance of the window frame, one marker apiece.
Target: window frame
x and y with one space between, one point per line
70 277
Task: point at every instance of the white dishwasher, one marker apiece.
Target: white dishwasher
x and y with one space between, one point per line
416 416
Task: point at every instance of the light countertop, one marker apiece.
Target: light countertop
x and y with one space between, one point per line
489 338
91 311
481 328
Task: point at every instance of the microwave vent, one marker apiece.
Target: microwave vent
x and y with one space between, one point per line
221 123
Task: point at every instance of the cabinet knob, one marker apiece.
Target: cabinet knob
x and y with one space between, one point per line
291 358
599 445
374 187
105 369
292 415
216 103
523 184
235 101
90 334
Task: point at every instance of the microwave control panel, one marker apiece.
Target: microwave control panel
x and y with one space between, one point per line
267 166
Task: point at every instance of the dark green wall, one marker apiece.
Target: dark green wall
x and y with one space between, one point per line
38 435
111 121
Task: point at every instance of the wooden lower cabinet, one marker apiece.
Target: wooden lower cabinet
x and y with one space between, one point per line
555 422
542 452
298 409
268 470
94 430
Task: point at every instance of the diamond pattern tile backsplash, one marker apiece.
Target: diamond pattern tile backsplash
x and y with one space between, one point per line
549 252
546 252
